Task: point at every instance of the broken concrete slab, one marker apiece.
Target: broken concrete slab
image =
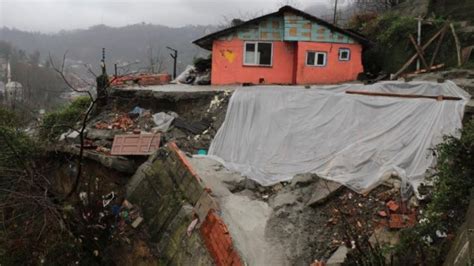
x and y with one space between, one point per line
303 179
282 199
338 257
322 190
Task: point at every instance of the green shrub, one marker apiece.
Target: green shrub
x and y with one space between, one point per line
60 121
449 202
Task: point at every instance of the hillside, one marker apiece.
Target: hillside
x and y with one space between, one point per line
123 45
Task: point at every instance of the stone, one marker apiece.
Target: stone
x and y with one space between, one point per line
250 184
338 257
303 180
322 190
282 199
383 236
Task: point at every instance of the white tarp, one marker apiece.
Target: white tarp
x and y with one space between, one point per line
272 133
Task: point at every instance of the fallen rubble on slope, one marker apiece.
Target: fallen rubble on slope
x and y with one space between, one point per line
280 225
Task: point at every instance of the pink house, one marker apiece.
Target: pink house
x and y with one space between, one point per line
285 47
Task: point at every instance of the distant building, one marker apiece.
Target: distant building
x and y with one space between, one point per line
13 90
285 47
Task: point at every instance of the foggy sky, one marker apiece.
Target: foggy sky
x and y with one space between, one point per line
54 15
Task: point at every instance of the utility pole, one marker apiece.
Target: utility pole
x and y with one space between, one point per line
174 55
418 40
102 84
335 13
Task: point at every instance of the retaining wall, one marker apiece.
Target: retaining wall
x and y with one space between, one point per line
171 194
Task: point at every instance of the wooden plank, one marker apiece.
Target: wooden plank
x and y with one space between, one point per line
419 51
438 45
413 96
458 44
408 63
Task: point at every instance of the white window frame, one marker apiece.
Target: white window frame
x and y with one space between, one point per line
256 54
348 54
316 58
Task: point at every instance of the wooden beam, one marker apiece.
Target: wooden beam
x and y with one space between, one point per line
413 96
408 63
438 45
458 44
419 51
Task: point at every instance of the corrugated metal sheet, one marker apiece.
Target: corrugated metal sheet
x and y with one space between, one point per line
140 144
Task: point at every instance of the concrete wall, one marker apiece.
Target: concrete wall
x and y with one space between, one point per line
462 249
166 194
170 195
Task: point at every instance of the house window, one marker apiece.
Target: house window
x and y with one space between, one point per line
258 53
316 58
344 54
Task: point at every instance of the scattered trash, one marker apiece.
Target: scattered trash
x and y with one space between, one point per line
108 198
191 226
441 234
382 213
83 198
398 221
137 222
393 206
163 121
136 112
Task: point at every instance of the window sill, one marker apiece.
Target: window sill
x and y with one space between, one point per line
264 66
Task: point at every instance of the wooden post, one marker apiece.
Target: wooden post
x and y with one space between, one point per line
458 44
419 51
438 45
408 63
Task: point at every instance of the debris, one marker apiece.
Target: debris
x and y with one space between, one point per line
137 222
383 236
163 121
441 234
141 144
108 198
136 112
322 191
202 152
382 213
127 204
428 240
338 257
303 179
193 127
83 198
393 206
191 226
398 221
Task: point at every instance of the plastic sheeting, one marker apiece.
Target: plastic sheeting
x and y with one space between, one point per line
272 133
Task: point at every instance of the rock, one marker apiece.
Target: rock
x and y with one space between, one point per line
338 257
322 190
383 236
413 202
282 199
250 184
303 179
